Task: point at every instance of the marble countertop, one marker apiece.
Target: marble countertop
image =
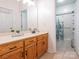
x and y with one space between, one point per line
8 38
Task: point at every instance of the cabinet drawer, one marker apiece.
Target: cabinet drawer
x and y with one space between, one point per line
16 54
30 41
40 37
10 47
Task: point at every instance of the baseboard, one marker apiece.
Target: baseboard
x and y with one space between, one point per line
51 51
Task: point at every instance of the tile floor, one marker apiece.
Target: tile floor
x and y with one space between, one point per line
64 51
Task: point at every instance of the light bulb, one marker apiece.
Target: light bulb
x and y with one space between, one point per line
18 0
29 2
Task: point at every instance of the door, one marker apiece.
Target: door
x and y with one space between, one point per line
68 26
17 54
30 52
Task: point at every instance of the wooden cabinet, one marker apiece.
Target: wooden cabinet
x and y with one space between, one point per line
30 52
42 44
6 48
30 41
17 54
28 48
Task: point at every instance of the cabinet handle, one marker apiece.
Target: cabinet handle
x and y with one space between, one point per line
36 54
12 48
36 44
43 43
26 53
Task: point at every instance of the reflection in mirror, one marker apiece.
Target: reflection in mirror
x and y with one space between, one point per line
23 20
16 15
30 10
6 20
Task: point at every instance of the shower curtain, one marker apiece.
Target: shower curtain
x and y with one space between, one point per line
59 28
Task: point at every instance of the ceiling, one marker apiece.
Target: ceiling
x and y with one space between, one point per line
65 2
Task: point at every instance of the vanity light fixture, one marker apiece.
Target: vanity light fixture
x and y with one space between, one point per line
29 2
18 0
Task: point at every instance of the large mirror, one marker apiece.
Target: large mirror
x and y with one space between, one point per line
6 19
24 23
17 15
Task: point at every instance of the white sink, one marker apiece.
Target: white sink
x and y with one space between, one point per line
17 34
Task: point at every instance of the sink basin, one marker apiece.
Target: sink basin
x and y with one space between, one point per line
17 35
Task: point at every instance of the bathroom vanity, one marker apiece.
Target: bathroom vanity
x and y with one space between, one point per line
28 46
16 18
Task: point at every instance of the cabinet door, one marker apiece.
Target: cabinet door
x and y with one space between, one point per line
30 52
17 54
39 48
44 46
45 42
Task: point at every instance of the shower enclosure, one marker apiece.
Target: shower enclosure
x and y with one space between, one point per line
59 28
64 26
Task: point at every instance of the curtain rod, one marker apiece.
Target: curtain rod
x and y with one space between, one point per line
65 13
